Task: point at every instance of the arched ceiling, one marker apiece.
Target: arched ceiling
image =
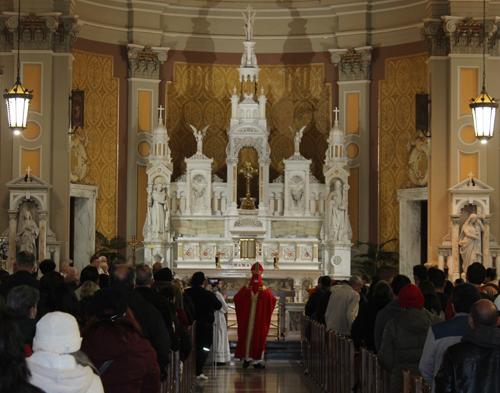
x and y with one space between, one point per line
281 25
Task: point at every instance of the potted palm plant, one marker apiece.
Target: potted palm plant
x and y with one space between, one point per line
375 260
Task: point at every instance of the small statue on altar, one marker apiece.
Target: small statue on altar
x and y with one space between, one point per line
27 232
470 241
297 137
248 172
158 211
338 219
199 135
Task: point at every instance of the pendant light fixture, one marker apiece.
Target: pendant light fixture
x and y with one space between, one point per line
484 107
18 97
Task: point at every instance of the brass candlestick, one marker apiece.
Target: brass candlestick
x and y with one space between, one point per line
248 172
217 261
276 263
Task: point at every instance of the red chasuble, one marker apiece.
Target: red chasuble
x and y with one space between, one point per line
254 305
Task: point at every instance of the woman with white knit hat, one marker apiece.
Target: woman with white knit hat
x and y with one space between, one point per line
58 364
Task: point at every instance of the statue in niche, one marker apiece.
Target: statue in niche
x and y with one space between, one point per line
158 211
297 197
338 220
199 135
27 232
297 137
197 200
249 21
470 241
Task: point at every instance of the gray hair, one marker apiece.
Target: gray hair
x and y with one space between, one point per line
355 281
83 360
143 274
21 300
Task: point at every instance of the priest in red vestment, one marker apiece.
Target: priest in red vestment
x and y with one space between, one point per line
254 305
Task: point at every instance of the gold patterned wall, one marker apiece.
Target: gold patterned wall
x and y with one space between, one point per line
296 95
404 77
97 144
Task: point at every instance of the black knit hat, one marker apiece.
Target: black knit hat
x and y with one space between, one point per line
107 304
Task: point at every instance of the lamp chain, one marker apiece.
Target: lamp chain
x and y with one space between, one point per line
484 44
19 40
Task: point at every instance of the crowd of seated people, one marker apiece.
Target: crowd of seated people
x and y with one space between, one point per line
411 326
98 330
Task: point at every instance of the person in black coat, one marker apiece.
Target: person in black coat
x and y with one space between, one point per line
143 283
205 303
315 298
24 266
362 330
149 318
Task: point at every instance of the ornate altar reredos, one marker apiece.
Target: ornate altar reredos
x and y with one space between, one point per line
28 220
290 221
469 239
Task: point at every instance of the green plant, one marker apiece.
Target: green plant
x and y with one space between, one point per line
108 247
375 259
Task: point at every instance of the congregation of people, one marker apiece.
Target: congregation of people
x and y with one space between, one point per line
110 327
445 332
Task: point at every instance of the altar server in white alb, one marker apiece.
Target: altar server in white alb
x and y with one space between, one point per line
220 348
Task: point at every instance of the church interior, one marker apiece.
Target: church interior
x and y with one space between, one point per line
209 135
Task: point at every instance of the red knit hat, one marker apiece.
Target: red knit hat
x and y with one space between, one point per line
411 297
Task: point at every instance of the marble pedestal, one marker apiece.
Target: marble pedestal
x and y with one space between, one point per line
337 260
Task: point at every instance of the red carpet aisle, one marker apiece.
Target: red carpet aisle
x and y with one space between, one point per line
281 376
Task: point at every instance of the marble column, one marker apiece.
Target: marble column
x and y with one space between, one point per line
454 267
12 238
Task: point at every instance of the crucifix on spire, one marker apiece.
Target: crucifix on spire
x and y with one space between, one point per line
161 109
336 111
249 20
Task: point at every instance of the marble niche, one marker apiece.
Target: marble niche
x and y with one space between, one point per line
84 223
410 228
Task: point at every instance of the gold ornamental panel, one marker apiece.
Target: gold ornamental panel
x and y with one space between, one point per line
404 78
93 73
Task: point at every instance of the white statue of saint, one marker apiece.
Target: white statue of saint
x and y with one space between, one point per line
199 135
297 137
249 21
158 211
27 233
338 220
470 241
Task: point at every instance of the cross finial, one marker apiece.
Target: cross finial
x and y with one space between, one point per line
249 9
28 171
336 111
161 109
471 175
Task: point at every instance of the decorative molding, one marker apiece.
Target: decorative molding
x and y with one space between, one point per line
248 222
354 63
39 32
144 61
459 36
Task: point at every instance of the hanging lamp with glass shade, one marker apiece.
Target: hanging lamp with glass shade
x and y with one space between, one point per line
484 108
18 97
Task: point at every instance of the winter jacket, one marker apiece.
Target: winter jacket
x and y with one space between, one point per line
56 373
342 309
314 301
439 338
134 368
403 342
471 365
362 330
384 316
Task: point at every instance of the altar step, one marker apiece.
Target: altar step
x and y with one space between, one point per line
277 350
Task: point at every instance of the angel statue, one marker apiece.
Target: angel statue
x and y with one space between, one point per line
199 135
297 197
297 136
249 21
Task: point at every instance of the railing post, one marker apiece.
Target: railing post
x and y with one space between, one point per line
405 381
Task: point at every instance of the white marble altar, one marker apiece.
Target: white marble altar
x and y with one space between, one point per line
477 194
30 197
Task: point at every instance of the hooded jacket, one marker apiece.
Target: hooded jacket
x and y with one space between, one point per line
403 342
55 373
471 365
134 368
385 315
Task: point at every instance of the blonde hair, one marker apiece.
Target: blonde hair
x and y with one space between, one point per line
178 283
88 289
